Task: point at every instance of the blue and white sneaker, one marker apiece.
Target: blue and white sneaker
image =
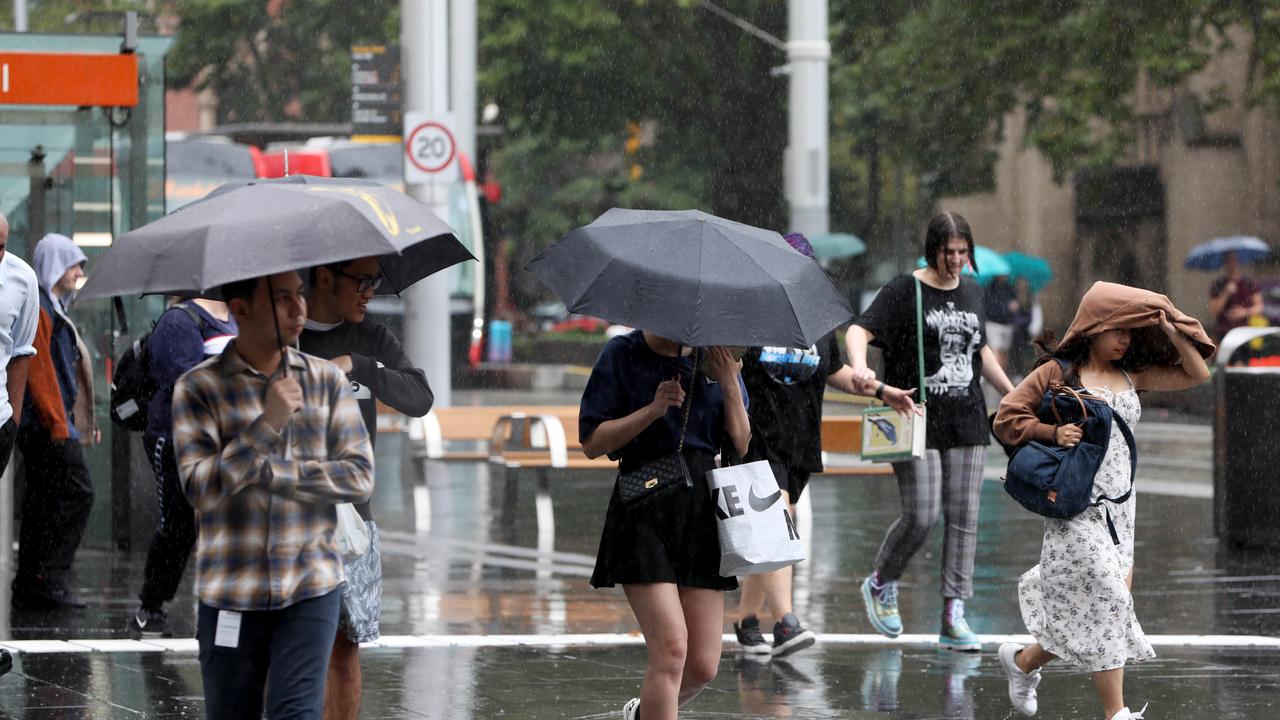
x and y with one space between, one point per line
956 634
882 607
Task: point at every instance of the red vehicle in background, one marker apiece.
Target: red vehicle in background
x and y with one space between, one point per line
297 161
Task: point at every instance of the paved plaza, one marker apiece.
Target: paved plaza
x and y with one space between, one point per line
488 614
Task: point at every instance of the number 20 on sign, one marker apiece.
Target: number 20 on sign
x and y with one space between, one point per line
430 146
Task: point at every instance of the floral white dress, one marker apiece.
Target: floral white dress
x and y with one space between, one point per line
1075 603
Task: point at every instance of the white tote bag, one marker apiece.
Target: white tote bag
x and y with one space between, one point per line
757 534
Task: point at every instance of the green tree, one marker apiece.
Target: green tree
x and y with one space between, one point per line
269 61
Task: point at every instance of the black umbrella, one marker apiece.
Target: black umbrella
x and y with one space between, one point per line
694 278
253 228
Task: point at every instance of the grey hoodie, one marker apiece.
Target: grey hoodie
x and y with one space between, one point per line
54 255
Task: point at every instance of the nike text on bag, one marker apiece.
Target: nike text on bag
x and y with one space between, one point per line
757 534
888 436
132 385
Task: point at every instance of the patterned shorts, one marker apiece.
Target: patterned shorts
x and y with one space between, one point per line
362 593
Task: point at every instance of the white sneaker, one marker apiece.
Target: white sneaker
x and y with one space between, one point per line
1022 686
629 710
1127 714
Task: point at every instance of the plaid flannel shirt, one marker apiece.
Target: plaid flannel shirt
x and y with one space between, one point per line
264 501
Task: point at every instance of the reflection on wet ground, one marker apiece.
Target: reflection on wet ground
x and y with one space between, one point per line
477 551
831 681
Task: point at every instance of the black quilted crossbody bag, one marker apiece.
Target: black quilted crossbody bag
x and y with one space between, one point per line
659 478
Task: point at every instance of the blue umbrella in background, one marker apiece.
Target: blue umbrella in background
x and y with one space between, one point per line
1032 268
990 264
836 246
1210 255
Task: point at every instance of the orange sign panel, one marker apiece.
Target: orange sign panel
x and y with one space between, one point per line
68 79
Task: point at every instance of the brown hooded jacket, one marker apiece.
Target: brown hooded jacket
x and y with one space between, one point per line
1107 306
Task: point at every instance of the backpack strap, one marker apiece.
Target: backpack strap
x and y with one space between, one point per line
191 313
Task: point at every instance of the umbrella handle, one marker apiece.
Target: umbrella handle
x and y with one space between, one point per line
275 320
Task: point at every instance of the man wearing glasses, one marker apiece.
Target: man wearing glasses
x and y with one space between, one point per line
378 368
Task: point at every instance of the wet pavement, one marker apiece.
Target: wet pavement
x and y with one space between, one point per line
487 612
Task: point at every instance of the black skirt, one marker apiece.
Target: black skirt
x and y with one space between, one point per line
672 540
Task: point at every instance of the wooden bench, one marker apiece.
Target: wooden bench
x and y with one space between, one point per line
547 436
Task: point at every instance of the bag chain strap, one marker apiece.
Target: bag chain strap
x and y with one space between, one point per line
688 399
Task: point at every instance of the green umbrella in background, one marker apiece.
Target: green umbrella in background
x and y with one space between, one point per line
990 264
836 246
1032 268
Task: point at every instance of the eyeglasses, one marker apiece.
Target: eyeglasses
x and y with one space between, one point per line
363 282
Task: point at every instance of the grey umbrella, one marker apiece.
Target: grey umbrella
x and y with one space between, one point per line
694 278
260 227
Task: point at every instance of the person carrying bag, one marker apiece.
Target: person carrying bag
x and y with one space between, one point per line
664 551
1077 601
944 343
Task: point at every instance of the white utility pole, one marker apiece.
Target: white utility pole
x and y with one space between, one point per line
424 71
20 15
462 65
808 52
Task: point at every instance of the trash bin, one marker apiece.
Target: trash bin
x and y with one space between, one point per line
1246 451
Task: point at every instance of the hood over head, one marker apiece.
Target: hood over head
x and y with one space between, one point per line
1111 306
54 255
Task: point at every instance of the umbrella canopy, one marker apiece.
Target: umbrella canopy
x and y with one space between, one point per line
1032 268
252 228
694 278
1210 255
836 246
990 264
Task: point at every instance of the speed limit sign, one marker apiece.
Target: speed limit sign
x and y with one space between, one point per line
430 146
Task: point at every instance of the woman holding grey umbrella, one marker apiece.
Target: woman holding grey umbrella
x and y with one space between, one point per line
948 479
647 398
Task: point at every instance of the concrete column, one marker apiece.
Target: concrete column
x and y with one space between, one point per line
808 52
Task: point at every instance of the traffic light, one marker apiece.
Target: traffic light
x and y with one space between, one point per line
632 146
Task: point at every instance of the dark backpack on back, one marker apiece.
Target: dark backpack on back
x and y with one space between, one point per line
132 385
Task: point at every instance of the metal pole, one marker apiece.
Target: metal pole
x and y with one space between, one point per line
808 52
425 76
20 15
462 21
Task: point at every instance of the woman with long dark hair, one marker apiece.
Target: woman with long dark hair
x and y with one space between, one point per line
1077 603
947 480
648 397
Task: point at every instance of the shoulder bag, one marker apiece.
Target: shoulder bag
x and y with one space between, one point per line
888 436
660 477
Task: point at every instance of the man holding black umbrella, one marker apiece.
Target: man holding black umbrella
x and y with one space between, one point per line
269 440
379 370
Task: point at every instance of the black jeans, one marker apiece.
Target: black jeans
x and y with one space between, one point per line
175 536
286 651
55 507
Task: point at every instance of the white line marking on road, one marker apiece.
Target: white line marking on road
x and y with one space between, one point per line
188 645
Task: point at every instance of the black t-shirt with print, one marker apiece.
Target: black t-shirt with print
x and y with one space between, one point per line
954 321
786 387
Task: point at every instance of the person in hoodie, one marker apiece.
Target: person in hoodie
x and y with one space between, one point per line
1077 603
379 370
57 420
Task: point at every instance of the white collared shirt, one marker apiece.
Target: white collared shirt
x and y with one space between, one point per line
19 316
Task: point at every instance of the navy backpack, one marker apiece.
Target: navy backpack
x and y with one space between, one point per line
1056 481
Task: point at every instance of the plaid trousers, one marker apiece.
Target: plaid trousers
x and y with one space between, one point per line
944 483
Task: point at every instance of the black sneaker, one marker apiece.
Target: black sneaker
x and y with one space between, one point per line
6 661
789 636
750 637
41 593
151 623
